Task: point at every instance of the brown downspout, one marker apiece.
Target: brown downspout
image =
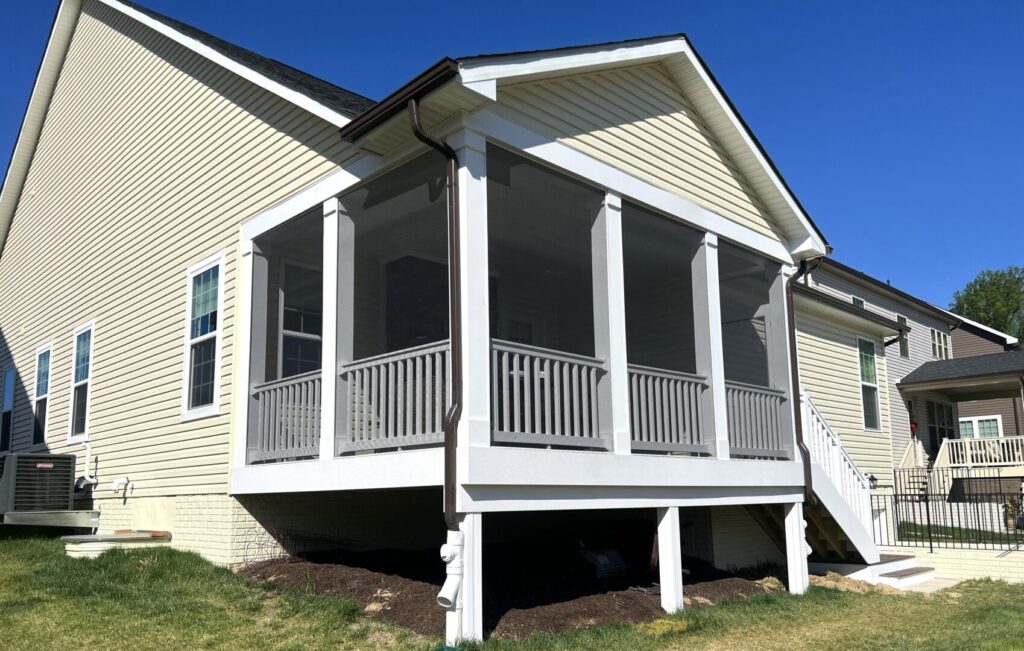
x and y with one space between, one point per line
454 413
794 371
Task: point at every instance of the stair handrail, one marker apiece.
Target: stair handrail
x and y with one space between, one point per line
828 451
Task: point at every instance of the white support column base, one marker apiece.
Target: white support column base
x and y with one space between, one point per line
471 597
796 548
670 559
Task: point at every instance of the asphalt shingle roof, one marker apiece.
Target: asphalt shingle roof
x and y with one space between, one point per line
1006 363
345 102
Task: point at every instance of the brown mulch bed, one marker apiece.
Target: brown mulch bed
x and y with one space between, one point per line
522 598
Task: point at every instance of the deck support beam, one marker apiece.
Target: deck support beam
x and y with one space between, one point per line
796 550
670 559
610 324
707 330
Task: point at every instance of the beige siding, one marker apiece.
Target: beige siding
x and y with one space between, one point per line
740 542
830 371
149 159
638 119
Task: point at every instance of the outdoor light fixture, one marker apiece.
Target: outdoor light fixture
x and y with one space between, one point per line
872 482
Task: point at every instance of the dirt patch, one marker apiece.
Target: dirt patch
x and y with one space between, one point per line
401 587
836 581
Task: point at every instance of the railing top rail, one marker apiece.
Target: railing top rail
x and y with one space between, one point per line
557 355
756 388
667 373
286 381
395 355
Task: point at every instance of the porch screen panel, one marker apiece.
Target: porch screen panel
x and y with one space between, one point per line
745 280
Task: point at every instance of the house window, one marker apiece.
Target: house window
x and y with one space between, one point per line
869 384
202 339
81 381
940 344
42 394
858 302
982 427
302 297
7 414
904 338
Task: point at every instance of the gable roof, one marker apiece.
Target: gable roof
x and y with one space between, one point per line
959 368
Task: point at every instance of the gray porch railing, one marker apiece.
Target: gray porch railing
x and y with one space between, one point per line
754 416
396 400
545 397
287 419
665 410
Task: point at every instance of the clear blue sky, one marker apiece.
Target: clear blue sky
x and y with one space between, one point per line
898 125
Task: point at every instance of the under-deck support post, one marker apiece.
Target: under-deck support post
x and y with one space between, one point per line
466 621
707 331
610 324
777 342
796 548
670 559
329 402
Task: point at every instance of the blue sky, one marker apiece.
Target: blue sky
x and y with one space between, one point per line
897 124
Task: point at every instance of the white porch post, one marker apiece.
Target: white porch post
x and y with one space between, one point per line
670 559
257 268
610 324
329 339
707 331
796 548
471 594
344 252
475 425
777 342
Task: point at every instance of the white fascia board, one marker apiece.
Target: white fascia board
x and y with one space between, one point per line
1009 339
818 245
303 101
38 105
498 123
549 62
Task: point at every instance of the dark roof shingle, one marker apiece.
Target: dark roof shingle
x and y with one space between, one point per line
1006 363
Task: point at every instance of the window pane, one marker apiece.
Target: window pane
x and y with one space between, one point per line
966 429
988 429
43 373
870 398
202 366
303 300
80 407
204 302
867 362
299 355
83 346
39 428
858 302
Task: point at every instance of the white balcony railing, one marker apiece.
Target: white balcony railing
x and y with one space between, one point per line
544 397
287 419
665 410
754 415
981 453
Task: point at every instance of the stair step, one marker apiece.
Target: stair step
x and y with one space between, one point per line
93 545
901 579
907 573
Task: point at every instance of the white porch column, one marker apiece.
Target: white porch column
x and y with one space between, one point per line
343 291
475 425
777 341
796 548
329 340
257 268
707 331
610 324
670 559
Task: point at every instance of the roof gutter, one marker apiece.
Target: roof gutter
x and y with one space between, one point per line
424 83
454 413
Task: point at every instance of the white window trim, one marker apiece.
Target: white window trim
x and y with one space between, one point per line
861 383
288 262
941 348
47 348
974 423
853 300
84 436
212 409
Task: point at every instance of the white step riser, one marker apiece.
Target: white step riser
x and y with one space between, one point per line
868 573
906 582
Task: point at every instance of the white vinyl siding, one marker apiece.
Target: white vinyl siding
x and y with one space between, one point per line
81 382
41 395
150 159
940 344
7 409
639 120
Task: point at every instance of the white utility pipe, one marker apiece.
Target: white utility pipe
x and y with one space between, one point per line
451 554
86 479
122 484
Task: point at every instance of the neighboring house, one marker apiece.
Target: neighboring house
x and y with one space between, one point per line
229 288
986 418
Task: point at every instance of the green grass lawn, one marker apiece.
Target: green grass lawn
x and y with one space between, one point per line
165 599
913 531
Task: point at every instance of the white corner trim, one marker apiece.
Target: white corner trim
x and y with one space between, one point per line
303 101
213 409
498 124
84 436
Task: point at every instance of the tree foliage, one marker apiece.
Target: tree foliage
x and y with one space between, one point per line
994 298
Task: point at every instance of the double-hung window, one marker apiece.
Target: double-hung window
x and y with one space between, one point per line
940 344
7 413
904 338
302 298
869 384
81 381
202 339
41 396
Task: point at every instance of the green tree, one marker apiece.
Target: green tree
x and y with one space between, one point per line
994 298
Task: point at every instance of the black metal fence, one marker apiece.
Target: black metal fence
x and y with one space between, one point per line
950 508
